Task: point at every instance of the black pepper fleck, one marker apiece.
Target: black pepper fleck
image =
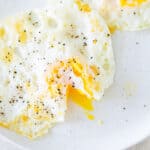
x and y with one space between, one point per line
124 108
84 44
134 13
77 36
108 35
84 38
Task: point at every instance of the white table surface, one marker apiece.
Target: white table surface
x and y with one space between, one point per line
7 146
144 145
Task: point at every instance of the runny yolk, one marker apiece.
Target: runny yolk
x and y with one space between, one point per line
80 98
131 3
86 74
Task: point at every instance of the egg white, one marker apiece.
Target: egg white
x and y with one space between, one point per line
131 15
31 43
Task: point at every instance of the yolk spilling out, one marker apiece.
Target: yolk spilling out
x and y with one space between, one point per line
79 98
131 3
61 83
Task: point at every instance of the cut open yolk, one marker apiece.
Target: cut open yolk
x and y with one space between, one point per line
79 98
62 82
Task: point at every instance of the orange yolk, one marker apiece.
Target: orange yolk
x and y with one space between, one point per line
79 98
58 83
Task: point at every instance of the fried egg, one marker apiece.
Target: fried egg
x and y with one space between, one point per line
124 14
50 56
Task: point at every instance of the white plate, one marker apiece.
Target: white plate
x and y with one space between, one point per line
124 110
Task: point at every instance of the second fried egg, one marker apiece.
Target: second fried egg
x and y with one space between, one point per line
124 14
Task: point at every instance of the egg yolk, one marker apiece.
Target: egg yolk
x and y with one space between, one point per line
131 3
80 98
61 83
